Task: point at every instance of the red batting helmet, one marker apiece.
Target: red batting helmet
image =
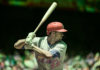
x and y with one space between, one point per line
55 26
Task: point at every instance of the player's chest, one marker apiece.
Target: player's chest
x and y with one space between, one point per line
44 45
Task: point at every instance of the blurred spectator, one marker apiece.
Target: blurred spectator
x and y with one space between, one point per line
96 65
79 63
97 56
90 59
2 59
30 61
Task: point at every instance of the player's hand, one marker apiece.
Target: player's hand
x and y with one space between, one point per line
29 38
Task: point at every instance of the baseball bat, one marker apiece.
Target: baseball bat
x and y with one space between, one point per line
46 15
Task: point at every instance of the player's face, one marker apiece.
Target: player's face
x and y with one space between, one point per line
58 36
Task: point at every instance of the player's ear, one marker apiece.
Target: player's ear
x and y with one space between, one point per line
53 33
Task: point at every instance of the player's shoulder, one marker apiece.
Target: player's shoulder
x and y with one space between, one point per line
61 44
40 39
43 38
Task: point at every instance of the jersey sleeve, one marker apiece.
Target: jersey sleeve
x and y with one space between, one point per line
36 40
59 50
55 53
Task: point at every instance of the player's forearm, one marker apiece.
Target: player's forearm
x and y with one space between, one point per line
45 53
19 44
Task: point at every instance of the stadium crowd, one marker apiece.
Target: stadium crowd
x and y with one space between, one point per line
28 62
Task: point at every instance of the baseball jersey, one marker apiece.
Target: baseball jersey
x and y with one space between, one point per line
58 50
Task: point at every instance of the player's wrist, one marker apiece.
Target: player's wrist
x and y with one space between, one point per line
30 37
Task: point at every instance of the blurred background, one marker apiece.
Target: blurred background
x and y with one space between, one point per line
80 17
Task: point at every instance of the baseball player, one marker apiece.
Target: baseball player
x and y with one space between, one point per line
49 50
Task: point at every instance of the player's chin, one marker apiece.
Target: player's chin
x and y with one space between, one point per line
59 39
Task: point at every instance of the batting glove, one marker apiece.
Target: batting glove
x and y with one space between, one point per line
29 38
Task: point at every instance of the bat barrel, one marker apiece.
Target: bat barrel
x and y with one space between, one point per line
46 15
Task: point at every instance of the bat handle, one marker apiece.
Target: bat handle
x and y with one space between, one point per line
37 28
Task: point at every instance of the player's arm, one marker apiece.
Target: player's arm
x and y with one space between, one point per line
55 52
19 44
42 52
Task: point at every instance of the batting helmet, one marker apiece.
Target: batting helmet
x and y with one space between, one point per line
55 26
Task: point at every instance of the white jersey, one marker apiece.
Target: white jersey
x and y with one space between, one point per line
55 63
